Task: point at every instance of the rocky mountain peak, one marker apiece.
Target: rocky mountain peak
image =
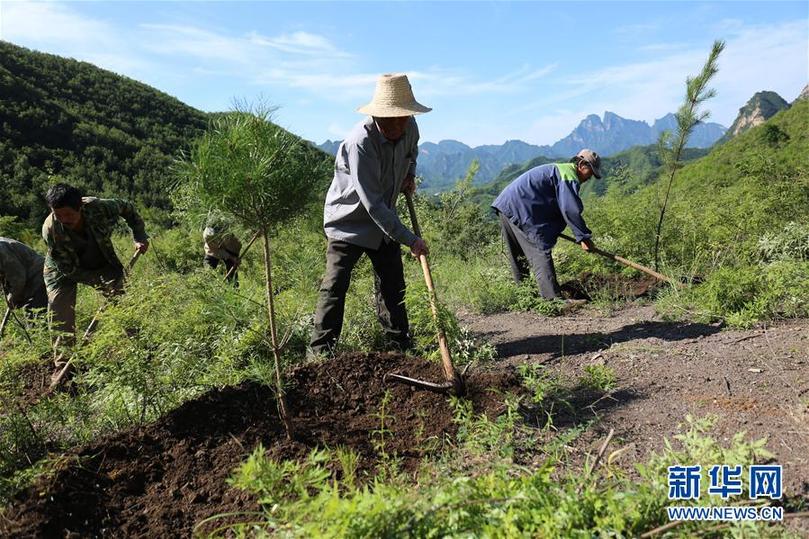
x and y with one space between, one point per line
758 109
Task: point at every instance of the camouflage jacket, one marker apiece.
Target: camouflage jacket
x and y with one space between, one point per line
100 217
221 245
20 271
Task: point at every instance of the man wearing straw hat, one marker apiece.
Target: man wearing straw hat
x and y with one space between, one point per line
375 162
535 208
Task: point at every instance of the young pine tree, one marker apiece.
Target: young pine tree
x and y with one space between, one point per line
259 175
688 116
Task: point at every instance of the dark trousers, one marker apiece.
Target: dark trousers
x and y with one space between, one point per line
522 251
38 300
212 262
389 285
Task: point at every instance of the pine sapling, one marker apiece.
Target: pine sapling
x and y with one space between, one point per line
688 116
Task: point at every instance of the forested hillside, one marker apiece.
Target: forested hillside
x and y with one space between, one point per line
104 132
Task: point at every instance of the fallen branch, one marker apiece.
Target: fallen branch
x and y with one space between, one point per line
663 528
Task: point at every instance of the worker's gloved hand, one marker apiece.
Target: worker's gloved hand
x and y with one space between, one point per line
587 245
419 247
142 247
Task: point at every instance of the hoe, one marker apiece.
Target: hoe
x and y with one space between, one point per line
453 381
625 262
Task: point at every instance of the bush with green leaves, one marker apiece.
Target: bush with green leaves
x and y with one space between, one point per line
598 377
453 224
170 338
318 497
789 243
745 295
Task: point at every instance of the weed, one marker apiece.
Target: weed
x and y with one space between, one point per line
380 435
598 378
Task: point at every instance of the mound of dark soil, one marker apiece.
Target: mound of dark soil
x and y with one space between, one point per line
34 379
613 285
162 479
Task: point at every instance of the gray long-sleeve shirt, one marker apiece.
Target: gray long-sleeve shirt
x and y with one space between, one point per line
20 271
368 174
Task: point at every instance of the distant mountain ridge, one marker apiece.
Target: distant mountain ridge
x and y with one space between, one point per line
442 164
615 134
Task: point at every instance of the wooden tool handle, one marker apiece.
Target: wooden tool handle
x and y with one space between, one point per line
625 262
446 359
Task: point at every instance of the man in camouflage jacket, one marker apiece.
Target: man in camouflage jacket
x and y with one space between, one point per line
21 275
78 233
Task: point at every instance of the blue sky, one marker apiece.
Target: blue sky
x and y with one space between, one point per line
492 71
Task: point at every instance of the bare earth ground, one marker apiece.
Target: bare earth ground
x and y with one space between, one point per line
755 381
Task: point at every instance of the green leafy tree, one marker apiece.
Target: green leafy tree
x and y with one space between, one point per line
688 116
259 175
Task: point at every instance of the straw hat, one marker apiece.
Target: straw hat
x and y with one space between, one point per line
393 97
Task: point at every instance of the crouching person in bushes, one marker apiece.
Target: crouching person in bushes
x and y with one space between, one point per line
78 234
222 246
21 276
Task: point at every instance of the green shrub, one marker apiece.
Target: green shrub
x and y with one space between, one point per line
789 243
745 295
500 499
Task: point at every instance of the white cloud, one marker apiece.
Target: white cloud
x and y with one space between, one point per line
757 57
445 82
338 131
177 40
51 23
761 57
299 43
635 29
56 28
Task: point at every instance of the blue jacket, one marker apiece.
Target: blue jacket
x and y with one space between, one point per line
542 201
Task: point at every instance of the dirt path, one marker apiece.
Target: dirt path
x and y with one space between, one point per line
755 381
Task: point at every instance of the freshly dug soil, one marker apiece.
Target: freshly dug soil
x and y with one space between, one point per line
35 378
163 479
613 286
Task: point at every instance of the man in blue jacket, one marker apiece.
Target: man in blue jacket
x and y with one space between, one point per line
535 208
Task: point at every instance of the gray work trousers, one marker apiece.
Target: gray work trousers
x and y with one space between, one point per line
389 287
521 252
